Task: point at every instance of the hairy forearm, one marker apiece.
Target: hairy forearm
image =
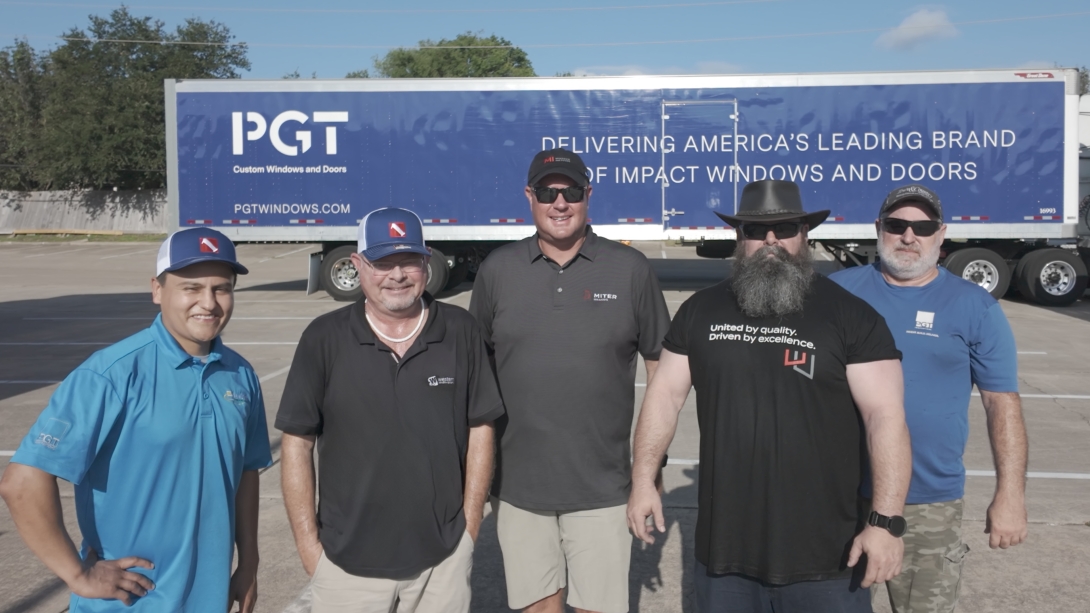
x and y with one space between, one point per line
34 501
891 461
246 512
654 431
479 465
297 483
1010 445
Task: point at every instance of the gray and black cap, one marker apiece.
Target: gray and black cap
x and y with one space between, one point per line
915 193
557 162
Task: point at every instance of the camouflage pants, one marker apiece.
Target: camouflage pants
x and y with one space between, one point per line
930 578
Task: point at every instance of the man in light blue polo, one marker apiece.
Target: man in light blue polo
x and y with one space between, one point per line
162 435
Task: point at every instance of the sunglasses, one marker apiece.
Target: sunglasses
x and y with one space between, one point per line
758 231
547 195
409 266
923 228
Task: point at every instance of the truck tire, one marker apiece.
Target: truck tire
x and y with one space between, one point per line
982 267
339 277
438 272
1052 277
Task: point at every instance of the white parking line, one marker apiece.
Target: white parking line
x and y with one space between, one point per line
42 255
26 382
275 374
276 257
121 255
970 473
1032 353
145 318
6 454
1050 396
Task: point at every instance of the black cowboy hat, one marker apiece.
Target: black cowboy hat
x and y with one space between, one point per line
772 201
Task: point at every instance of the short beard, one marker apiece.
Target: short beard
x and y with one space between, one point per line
395 305
772 286
903 266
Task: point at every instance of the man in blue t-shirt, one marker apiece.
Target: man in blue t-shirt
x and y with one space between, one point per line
953 334
162 435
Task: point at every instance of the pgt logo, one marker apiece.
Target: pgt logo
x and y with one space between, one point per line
239 133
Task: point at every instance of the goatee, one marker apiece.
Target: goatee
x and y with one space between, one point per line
771 282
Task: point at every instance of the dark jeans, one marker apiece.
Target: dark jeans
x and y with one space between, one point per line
741 594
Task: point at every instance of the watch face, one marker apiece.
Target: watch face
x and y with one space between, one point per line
897 525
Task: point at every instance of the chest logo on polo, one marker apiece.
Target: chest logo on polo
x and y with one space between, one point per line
598 296
437 381
239 399
801 361
52 433
925 320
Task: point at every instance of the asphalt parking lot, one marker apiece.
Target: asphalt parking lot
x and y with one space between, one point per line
62 301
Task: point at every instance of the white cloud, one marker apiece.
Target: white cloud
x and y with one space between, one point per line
919 27
702 67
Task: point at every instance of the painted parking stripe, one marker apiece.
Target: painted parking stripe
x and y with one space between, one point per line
145 318
27 382
275 374
970 473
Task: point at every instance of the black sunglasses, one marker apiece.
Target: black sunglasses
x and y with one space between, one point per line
758 231
923 228
547 195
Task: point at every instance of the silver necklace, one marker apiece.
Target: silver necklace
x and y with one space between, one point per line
420 322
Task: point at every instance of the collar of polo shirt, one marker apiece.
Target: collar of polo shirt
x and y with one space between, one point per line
588 249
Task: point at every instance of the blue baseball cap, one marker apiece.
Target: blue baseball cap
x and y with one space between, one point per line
388 231
194 245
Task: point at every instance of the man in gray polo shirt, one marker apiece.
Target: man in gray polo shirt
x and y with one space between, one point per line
566 312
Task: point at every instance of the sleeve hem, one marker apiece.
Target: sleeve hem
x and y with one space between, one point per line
876 358
672 348
492 415
48 467
297 429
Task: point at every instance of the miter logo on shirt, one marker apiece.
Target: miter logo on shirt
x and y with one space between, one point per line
52 433
437 381
801 361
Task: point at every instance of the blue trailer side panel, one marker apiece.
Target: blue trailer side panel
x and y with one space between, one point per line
994 151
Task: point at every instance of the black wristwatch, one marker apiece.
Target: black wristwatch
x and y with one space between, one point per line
896 525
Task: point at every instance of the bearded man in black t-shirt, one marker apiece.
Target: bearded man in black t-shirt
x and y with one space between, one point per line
797 384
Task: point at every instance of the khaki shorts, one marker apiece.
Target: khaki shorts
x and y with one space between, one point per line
930 579
586 551
441 589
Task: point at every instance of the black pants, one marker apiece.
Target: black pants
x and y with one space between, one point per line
741 594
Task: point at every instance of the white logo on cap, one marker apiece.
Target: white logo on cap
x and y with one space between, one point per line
397 229
210 244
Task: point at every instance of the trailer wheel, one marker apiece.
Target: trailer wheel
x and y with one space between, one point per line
983 267
1052 277
438 272
339 277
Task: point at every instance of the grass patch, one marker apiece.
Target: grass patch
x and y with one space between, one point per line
71 238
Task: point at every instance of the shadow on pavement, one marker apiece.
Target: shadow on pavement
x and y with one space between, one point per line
647 560
54 320
30 602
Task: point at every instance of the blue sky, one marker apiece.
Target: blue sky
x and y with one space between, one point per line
332 37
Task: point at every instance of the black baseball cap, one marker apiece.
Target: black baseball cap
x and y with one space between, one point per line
916 193
557 162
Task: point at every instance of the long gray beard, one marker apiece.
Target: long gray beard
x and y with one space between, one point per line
772 286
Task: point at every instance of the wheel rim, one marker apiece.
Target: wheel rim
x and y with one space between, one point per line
1058 278
983 273
344 275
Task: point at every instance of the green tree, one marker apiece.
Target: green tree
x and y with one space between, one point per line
22 95
457 57
101 114
1084 80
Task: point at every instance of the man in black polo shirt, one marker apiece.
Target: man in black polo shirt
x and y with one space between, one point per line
566 312
796 380
399 394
